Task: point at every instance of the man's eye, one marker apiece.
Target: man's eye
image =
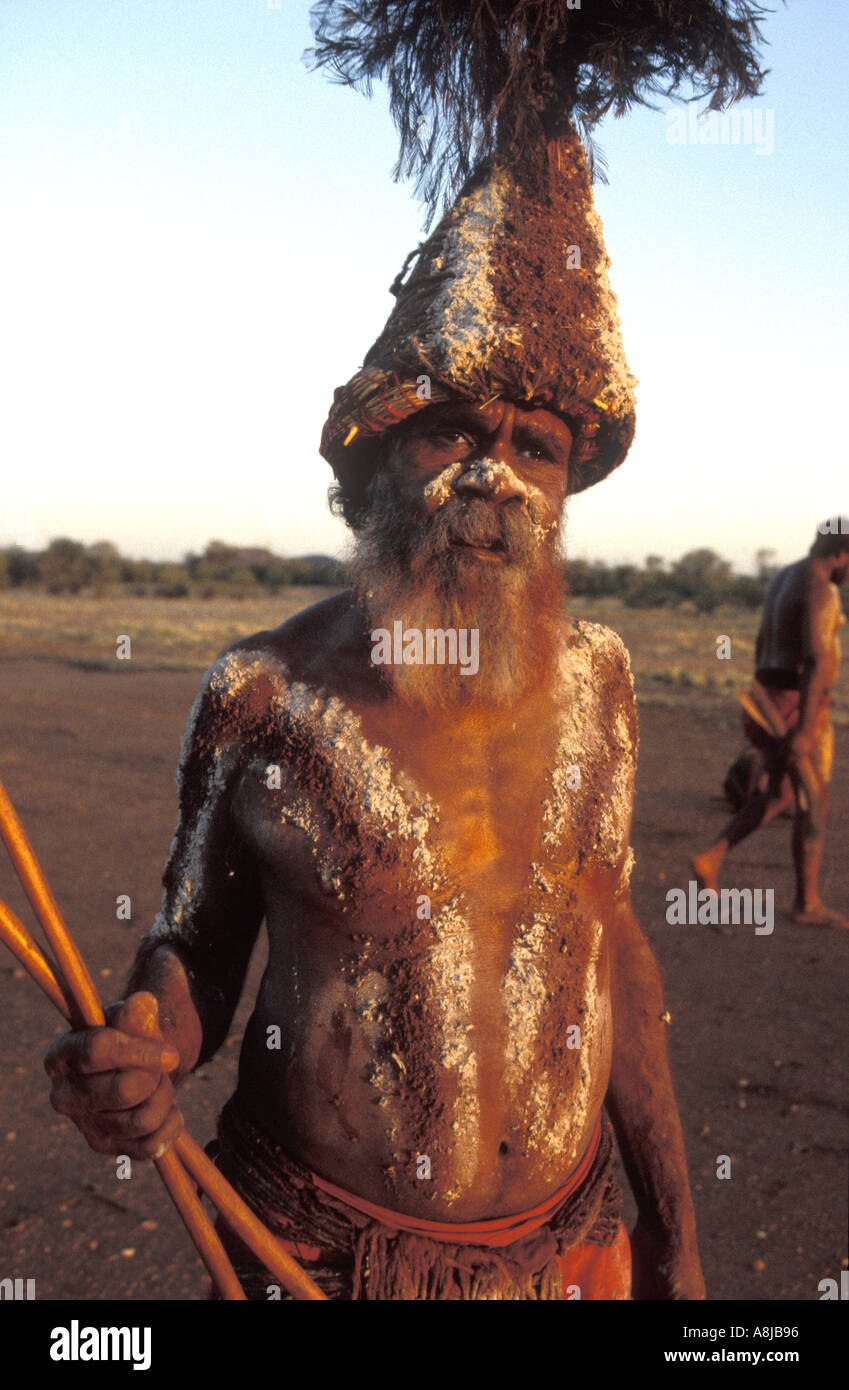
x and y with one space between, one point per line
450 438
537 451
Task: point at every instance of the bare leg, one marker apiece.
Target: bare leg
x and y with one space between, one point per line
807 859
758 810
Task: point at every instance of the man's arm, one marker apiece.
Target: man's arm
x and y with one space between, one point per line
642 1106
114 1085
818 648
196 957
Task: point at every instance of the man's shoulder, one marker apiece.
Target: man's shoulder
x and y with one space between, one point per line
808 588
791 581
241 685
306 640
595 651
597 687
599 737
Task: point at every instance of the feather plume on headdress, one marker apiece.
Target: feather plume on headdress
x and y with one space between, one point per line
492 94
476 73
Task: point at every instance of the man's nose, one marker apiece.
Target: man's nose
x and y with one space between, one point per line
492 477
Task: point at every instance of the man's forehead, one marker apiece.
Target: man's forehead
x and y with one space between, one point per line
486 416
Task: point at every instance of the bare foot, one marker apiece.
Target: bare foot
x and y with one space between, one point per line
706 867
820 916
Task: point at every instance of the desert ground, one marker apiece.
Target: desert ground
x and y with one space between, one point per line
88 752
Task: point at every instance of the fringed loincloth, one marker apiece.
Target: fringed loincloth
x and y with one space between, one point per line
355 1250
778 711
785 704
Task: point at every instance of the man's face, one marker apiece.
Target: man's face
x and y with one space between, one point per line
497 468
840 573
462 531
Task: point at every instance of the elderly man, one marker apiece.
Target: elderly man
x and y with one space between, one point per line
457 989
456 983
797 658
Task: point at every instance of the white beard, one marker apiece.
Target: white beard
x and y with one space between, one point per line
517 609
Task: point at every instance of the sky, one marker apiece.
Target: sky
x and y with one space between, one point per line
197 236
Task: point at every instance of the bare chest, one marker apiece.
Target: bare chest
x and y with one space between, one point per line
350 816
439 962
436 914
371 817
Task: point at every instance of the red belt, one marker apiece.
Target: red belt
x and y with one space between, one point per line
501 1230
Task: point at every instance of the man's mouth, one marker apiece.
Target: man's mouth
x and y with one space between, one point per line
489 550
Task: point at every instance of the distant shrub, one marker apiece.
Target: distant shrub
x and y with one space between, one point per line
172 581
649 589
698 581
748 590
240 582
22 566
64 566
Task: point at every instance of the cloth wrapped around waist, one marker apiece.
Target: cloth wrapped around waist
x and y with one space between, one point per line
785 703
771 713
356 1250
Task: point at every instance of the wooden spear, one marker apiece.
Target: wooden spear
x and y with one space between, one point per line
81 1004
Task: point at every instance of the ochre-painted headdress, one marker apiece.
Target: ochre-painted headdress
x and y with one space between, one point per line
510 296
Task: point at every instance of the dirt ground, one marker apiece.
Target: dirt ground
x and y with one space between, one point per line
758 1035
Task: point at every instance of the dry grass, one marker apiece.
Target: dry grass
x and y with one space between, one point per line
673 651
175 634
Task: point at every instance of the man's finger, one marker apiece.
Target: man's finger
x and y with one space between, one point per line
138 1015
142 1120
152 1146
106 1090
106 1049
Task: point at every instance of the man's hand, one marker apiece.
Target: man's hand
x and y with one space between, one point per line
113 1083
801 744
662 1268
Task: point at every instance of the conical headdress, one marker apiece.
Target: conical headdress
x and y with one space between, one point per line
510 296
